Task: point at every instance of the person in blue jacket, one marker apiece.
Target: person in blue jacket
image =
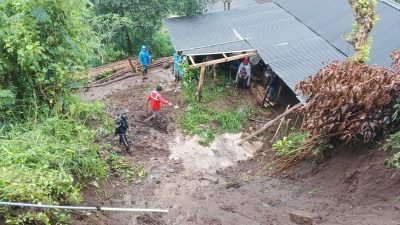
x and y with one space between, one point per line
144 60
178 73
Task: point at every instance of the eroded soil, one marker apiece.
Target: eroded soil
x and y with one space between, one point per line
223 184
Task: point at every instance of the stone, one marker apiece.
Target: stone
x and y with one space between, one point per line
397 206
170 170
210 178
303 217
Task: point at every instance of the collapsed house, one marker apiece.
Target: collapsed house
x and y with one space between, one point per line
293 38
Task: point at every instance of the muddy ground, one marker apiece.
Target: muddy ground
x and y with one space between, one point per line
224 184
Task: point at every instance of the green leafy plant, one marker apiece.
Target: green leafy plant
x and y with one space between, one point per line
288 145
393 142
47 161
47 44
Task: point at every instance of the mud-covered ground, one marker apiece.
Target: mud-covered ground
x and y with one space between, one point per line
207 185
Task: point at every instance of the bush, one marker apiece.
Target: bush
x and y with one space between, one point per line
351 101
161 45
46 162
393 142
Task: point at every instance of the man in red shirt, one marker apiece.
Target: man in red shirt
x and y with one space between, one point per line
155 100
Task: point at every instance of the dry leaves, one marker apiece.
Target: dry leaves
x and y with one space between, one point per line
354 100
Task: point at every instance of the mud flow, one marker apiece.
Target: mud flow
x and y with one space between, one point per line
223 183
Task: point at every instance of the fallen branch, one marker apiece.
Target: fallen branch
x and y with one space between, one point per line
270 123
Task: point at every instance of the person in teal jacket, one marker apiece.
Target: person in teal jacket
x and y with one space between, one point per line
144 60
178 73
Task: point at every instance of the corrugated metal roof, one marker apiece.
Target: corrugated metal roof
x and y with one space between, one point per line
331 19
292 49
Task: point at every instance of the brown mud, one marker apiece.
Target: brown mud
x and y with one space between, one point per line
223 184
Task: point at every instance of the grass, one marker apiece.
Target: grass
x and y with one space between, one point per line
215 114
48 161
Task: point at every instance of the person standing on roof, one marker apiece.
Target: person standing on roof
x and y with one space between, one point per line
144 60
244 74
155 99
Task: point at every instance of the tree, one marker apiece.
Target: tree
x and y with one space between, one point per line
142 19
43 47
364 14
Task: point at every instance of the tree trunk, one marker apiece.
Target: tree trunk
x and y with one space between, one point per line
365 17
129 43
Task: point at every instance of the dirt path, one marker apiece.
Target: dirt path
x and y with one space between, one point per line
206 185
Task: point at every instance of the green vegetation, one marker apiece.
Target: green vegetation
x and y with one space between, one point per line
393 142
220 110
122 166
43 48
123 26
104 75
290 144
47 161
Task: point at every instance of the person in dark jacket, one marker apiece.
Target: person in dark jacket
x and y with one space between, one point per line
272 86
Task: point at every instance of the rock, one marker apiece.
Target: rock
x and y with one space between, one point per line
303 217
397 206
170 170
210 178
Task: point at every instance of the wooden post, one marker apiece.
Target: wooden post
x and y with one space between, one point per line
133 67
191 59
215 73
201 81
279 94
269 124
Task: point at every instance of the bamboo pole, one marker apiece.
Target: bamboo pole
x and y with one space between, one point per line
279 126
267 125
201 81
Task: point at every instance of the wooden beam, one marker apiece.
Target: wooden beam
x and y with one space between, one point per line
226 57
218 61
191 60
267 125
201 81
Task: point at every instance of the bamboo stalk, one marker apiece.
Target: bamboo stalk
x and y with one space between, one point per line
279 126
269 124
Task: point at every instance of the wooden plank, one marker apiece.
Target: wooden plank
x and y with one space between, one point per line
226 57
218 61
269 124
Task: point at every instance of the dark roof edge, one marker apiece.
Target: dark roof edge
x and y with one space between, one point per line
311 29
392 3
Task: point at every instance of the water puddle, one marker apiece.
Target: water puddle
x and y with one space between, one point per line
221 153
